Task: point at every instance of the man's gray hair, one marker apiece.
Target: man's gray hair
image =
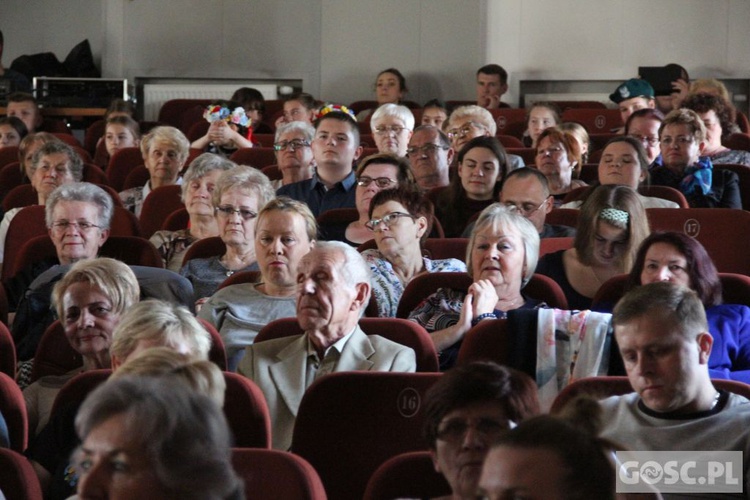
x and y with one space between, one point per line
354 269
81 191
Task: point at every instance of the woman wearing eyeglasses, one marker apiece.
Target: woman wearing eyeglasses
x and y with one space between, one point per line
683 138
239 195
197 188
54 164
482 166
293 152
392 126
374 173
400 220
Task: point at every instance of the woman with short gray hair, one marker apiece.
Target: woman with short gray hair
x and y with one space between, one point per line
293 152
239 196
198 186
165 151
53 164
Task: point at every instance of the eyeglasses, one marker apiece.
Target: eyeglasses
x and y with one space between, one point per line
455 430
386 220
63 225
228 210
293 145
381 182
549 151
427 149
646 140
465 130
387 129
525 209
680 140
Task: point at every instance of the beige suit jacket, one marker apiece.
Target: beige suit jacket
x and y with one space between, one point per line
279 367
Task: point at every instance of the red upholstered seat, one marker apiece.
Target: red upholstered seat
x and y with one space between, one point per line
408 475
351 422
273 474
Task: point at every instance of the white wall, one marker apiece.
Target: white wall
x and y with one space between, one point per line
338 46
436 44
609 39
33 26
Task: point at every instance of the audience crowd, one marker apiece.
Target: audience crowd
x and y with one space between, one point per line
271 276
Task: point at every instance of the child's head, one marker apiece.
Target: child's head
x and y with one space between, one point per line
121 132
12 130
252 100
119 107
23 106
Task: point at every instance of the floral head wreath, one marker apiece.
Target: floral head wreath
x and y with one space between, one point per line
328 108
216 112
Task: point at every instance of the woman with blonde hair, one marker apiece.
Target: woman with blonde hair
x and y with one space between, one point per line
501 257
90 301
285 232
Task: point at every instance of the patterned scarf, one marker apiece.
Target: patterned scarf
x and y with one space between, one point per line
698 177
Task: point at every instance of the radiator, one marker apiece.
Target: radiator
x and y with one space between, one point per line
156 94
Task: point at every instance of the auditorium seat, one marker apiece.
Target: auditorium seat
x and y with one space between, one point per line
8 155
7 351
408 475
254 157
247 412
563 216
528 154
489 340
510 121
349 423
397 330
743 172
13 408
716 228
177 220
157 206
171 112
274 474
18 481
735 290
604 387
510 141
207 247
596 121
551 245
120 166
242 277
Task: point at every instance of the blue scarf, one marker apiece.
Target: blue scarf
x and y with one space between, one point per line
698 177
